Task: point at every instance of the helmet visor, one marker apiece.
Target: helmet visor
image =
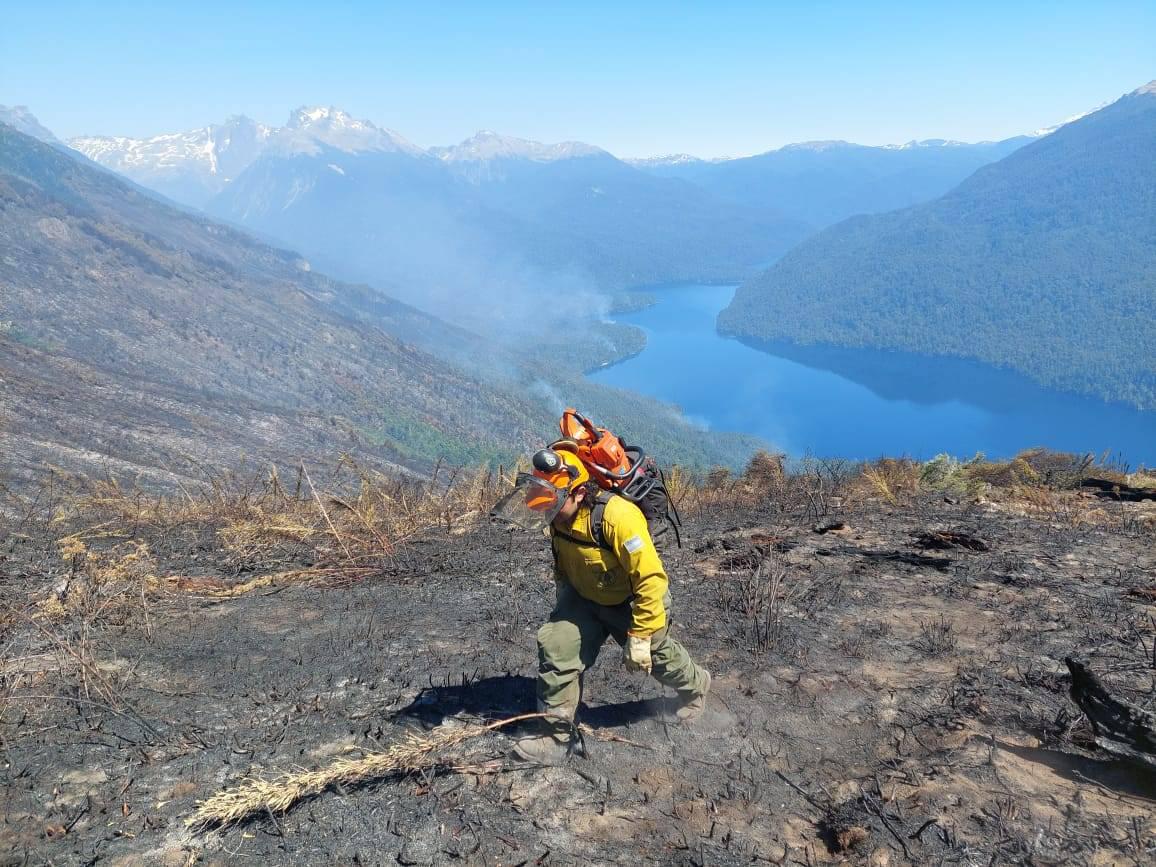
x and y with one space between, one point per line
532 505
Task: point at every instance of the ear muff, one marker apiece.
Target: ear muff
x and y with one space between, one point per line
547 462
562 469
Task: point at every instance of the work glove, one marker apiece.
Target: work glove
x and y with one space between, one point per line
636 653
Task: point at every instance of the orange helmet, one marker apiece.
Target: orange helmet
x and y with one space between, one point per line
540 494
561 469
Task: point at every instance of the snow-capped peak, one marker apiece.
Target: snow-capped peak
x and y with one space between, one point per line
311 127
487 145
928 143
22 120
669 160
818 145
1047 130
1150 87
219 149
325 116
189 166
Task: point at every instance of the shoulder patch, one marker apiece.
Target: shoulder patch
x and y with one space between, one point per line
632 544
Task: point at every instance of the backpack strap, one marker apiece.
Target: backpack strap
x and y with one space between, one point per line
597 517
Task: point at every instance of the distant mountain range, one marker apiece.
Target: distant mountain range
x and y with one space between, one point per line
486 215
487 147
497 212
189 167
1044 262
815 182
451 223
820 183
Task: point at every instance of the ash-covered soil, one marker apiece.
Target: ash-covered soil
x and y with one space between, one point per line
889 689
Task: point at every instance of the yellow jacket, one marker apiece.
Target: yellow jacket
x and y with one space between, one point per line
630 569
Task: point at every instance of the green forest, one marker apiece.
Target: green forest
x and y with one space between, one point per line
1044 262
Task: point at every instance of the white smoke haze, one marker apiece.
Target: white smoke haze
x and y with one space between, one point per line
399 226
546 325
448 270
541 326
696 421
549 394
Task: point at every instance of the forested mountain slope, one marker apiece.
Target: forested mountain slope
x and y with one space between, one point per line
131 330
1044 262
138 338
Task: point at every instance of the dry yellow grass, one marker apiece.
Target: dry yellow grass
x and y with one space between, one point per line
258 797
100 582
879 481
345 522
345 527
891 479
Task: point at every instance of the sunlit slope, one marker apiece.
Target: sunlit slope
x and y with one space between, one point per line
1044 262
137 338
222 346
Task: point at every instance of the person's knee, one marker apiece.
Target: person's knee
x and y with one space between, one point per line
559 640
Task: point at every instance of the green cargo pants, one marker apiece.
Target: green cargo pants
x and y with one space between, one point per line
568 644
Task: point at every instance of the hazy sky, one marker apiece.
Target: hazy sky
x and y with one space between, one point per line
636 78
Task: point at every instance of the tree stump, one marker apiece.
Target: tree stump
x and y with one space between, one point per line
1120 728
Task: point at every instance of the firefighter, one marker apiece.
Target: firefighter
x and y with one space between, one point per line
610 583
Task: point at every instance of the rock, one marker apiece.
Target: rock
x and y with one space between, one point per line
829 527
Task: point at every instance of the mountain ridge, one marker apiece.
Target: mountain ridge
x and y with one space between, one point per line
1054 244
21 118
187 320
498 212
488 145
179 173
822 182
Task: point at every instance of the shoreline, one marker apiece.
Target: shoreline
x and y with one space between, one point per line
926 386
606 365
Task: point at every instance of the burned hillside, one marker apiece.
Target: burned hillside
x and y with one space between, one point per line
888 644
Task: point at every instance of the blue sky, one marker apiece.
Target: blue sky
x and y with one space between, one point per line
636 78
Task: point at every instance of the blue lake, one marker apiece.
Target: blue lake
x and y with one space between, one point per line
858 403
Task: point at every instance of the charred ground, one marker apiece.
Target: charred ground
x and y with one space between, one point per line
887 644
